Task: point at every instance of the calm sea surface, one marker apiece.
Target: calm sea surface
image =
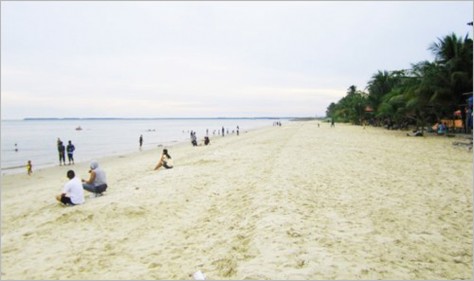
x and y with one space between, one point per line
36 139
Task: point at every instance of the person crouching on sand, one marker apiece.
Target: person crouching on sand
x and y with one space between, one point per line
72 194
97 182
165 160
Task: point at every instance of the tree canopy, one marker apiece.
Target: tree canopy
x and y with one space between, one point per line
427 92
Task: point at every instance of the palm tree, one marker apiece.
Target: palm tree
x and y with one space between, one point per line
381 84
454 57
350 108
427 92
378 87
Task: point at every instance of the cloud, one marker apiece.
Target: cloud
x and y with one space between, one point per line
148 59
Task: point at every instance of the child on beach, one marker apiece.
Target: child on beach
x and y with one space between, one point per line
29 168
165 160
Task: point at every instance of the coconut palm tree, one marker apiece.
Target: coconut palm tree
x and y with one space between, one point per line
379 86
454 56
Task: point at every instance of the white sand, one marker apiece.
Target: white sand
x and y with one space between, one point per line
291 202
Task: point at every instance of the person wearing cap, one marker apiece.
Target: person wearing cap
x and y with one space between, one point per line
97 182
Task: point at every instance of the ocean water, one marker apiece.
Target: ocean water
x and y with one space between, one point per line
36 140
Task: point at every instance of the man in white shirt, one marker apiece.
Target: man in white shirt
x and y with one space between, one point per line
72 194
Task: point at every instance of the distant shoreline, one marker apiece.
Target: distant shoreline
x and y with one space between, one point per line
151 118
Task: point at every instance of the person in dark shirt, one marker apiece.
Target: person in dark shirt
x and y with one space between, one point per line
70 152
62 153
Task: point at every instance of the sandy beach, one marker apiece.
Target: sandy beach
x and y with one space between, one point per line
291 202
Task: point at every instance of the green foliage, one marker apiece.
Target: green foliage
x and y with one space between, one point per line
350 108
424 93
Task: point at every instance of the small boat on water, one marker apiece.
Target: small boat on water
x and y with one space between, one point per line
79 128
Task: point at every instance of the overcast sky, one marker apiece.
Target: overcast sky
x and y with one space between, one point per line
208 59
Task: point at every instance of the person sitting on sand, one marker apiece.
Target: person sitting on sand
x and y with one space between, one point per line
441 128
165 160
72 194
97 182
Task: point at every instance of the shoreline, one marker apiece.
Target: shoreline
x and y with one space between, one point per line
22 169
42 160
290 202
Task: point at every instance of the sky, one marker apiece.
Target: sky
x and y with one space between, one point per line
158 59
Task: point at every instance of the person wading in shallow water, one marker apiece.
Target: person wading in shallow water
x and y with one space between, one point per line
62 153
70 152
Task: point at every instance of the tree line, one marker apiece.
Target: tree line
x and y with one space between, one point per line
424 94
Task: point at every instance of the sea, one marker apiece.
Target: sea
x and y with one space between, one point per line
36 139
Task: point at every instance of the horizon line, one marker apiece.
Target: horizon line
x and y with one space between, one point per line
152 118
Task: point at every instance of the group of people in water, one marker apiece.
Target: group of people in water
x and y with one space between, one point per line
207 141
70 148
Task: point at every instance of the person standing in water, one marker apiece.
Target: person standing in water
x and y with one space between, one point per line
70 152
140 141
62 153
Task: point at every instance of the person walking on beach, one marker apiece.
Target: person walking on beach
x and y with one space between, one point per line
165 160
140 140
62 153
223 131
97 182
72 194
29 168
70 152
